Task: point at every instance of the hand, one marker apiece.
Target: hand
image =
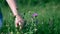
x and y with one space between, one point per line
18 21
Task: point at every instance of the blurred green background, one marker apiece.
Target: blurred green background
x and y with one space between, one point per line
47 21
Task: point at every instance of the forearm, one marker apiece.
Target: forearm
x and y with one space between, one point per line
13 6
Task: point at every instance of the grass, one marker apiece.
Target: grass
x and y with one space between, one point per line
47 21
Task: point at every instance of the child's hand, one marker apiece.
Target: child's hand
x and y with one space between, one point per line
18 21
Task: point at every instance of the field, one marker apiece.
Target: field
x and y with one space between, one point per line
47 20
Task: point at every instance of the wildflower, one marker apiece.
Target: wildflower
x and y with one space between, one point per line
34 19
35 15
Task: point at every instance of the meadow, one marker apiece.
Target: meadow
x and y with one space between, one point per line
38 19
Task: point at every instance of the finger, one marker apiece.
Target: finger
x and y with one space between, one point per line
20 24
21 21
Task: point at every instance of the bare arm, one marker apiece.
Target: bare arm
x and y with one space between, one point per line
13 6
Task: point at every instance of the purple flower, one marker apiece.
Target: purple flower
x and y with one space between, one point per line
35 15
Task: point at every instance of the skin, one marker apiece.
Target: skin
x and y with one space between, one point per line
12 5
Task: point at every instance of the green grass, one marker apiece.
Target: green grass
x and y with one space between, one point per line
48 19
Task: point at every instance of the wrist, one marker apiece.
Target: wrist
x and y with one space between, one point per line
15 15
